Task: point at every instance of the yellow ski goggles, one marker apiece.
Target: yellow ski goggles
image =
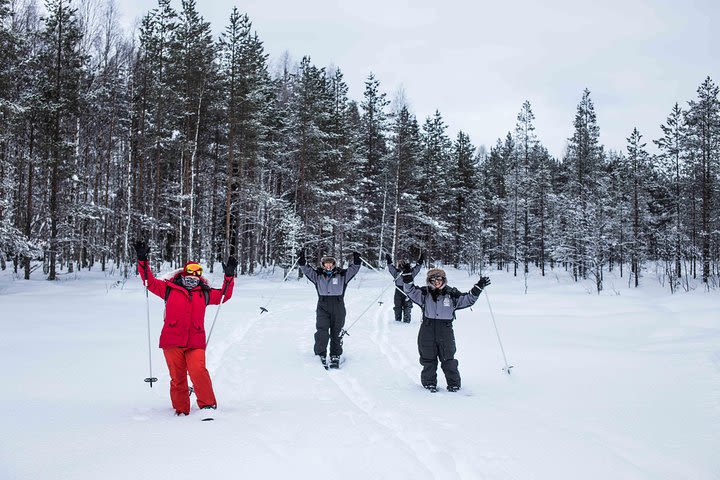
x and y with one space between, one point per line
193 269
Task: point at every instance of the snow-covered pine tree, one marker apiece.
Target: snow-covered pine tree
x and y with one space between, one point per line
61 63
462 214
434 196
193 72
245 97
703 140
583 191
375 178
672 165
404 170
638 170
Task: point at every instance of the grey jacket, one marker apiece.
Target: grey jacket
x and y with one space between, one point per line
330 285
448 300
397 274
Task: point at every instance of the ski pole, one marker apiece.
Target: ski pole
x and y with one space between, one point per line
507 367
222 298
149 379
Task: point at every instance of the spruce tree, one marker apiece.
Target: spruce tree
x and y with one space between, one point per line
703 120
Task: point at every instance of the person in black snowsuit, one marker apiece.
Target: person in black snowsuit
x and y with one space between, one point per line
403 304
330 282
436 338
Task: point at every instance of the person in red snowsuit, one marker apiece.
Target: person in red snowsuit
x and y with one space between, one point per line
186 295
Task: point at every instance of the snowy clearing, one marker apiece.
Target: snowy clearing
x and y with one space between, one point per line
623 385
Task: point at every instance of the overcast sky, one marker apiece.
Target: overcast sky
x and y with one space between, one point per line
478 61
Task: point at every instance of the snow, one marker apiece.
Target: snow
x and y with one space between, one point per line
622 385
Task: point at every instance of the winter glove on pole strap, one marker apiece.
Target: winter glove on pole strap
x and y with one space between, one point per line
141 250
301 258
356 258
388 259
230 267
480 285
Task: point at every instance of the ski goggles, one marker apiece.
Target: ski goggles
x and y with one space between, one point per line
193 269
437 278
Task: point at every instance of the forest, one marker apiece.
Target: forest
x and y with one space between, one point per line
206 148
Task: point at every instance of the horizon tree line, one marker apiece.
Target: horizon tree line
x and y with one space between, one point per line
199 146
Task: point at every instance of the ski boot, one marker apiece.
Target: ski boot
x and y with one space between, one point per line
208 412
453 388
431 388
334 361
323 360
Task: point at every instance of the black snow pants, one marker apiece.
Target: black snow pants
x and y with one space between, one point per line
330 320
436 340
403 306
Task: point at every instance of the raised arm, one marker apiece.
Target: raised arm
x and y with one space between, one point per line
353 269
468 299
413 292
416 269
225 292
153 284
310 273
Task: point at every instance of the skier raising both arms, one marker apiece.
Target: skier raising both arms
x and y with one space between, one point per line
182 339
330 282
403 304
436 338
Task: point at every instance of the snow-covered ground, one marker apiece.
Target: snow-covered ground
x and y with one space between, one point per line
623 385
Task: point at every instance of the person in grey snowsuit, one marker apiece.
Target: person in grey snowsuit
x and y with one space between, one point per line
436 338
330 282
403 304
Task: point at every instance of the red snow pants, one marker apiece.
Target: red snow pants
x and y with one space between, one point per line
182 361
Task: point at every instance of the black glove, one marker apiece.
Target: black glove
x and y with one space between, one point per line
301 258
407 273
388 258
141 250
230 267
356 258
421 260
481 284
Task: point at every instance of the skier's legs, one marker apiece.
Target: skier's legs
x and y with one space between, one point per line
336 326
398 300
447 349
407 307
195 358
179 394
428 353
322 327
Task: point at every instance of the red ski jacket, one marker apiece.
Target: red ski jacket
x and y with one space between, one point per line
184 309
